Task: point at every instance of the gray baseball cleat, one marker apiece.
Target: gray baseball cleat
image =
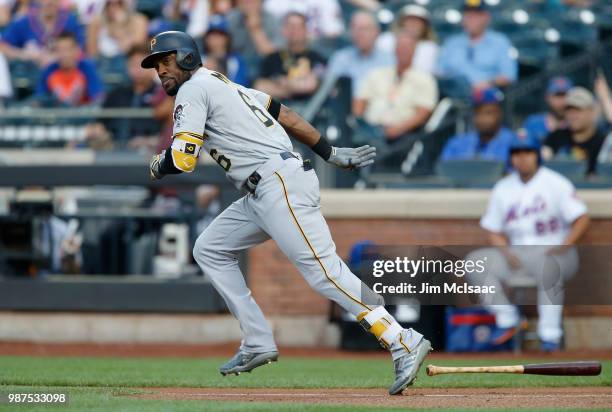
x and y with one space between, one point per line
246 362
407 367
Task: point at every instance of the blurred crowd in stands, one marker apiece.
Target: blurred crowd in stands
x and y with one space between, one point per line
402 58
494 70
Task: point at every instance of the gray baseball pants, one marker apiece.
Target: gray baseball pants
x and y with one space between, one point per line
286 208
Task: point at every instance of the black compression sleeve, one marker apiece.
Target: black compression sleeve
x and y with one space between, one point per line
274 109
167 165
322 148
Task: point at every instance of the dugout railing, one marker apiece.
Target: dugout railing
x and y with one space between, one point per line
119 241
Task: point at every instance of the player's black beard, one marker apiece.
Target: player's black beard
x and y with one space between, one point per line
174 90
179 82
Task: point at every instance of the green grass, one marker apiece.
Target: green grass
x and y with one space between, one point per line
95 383
110 399
288 373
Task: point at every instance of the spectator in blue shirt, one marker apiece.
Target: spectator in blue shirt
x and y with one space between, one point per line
218 55
490 139
480 56
541 124
358 60
70 81
31 37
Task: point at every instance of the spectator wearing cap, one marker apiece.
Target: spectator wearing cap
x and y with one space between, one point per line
31 37
542 124
481 56
582 139
359 59
217 46
255 32
116 30
415 20
294 72
490 139
324 16
397 98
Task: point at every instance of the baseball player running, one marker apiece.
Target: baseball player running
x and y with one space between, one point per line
246 133
534 206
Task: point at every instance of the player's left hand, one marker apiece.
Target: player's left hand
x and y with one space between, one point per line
352 158
154 167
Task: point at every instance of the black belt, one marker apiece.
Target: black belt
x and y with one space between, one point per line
253 180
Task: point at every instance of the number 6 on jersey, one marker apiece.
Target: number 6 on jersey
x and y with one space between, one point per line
223 161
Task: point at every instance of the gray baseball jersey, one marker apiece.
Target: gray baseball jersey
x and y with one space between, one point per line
233 122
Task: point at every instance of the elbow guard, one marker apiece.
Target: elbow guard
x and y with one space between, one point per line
185 150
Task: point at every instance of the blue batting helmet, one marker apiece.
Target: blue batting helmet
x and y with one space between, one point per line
525 141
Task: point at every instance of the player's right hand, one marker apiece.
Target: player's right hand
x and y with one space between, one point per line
154 167
352 158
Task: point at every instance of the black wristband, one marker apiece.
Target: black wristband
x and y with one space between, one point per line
166 166
274 108
322 148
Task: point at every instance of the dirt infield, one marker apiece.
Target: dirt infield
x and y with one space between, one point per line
586 397
155 350
228 349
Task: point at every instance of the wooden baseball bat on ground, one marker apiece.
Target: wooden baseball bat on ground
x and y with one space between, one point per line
559 369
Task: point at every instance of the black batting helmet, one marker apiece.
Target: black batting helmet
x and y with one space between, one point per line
187 54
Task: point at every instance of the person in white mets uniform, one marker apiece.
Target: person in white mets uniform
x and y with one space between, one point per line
533 206
247 133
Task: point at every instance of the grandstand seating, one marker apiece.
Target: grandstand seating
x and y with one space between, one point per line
470 173
40 136
113 71
605 170
543 37
572 169
24 76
